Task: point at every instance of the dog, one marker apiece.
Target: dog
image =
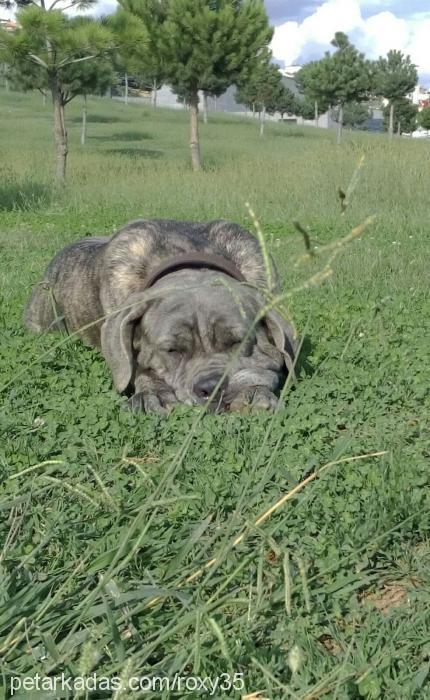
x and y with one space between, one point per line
178 310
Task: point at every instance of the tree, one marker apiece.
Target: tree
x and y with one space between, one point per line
20 4
395 77
94 81
145 54
355 115
403 118
424 118
243 97
132 45
309 82
92 77
43 51
338 78
347 76
283 101
208 45
308 109
262 90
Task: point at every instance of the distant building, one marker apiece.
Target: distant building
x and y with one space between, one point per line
8 24
290 71
420 97
227 103
325 121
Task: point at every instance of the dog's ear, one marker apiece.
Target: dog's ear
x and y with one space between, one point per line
284 336
117 339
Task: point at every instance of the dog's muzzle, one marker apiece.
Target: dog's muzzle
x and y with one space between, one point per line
205 387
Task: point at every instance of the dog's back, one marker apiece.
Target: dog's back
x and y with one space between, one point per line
89 278
141 246
68 296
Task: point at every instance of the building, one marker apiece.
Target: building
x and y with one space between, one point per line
290 71
227 103
325 121
8 24
420 97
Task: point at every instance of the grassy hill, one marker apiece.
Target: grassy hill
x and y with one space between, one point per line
107 519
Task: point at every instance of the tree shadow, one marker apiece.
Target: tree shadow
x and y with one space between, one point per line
23 196
303 363
289 134
131 152
219 118
123 136
98 119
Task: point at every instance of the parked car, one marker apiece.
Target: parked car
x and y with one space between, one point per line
420 133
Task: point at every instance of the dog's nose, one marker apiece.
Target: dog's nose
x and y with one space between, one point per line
204 387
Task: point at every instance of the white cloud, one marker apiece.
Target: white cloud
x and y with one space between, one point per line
343 14
375 34
382 32
288 42
373 3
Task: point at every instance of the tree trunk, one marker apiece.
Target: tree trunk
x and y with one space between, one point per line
84 122
262 120
399 129
205 108
60 135
154 94
253 109
391 121
126 89
316 113
215 103
194 132
340 125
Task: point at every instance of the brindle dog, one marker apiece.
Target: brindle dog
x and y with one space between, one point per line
173 306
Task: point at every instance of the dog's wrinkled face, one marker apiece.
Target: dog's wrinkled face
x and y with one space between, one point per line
200 333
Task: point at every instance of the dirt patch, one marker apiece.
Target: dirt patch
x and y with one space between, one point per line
391 595
329 644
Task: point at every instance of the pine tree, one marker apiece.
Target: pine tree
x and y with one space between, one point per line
395 77
146 55
208 45
424 118
88 77
132 47
282 101
355 114
43 51
338 78
403 118
309 82
261 89
308 109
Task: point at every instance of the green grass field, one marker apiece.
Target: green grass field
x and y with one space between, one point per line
105 516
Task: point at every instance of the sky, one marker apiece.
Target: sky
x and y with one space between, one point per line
304 28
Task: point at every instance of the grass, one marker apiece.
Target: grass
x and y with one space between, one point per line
107 517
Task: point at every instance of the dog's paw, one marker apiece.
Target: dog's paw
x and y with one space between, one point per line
264 400
254 399
148 402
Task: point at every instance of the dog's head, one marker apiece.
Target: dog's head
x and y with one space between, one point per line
195 329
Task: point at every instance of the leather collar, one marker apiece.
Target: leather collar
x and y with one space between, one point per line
194 260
